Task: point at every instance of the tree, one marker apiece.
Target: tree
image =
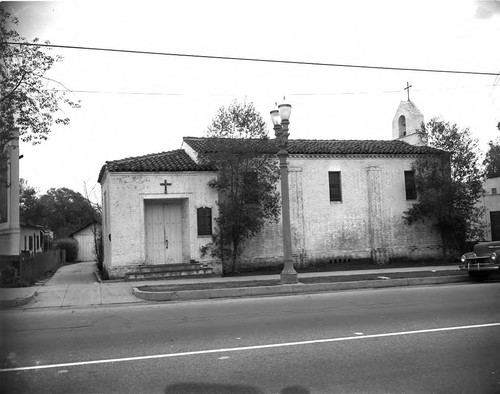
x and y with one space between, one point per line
492 159
246 180
28 100
238 120
30 211
61 210
67 211
98 246
449 185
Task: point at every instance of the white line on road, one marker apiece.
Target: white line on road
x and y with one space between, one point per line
237 349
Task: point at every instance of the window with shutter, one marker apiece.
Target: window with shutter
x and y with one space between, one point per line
335 186
411 189
204 221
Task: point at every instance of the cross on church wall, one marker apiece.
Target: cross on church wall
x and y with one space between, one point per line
165 183
408 86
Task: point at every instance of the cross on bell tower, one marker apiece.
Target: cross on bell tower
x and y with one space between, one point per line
407 121
408 86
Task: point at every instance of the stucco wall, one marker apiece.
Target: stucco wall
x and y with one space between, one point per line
413 119
366 224
368 220
127 194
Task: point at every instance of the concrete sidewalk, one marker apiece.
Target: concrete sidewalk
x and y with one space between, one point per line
77 285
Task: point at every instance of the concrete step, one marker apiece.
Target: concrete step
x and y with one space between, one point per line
169 267
169 271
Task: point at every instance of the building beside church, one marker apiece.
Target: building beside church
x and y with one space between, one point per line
490 202
10 229
347 201
86 238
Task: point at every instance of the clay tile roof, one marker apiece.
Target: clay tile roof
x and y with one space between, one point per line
308 147
177 160
214 145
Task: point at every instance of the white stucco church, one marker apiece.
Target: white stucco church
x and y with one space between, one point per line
347 199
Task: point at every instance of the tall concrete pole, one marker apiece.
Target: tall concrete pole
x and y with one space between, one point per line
288 275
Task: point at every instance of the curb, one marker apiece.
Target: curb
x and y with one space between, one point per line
186 295
98 277
8 304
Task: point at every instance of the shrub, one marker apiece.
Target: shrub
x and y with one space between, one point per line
98 248
70 245
8 275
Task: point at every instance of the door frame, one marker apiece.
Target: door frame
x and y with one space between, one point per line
184 228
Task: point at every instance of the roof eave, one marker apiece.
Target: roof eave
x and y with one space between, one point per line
102 173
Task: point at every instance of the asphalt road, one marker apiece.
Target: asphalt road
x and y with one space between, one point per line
438 339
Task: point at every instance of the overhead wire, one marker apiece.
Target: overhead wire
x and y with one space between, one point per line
262 60
230 94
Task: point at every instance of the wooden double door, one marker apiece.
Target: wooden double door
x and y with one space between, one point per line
163 233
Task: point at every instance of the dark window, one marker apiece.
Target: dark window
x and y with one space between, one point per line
494 190
402 126
411 190
495 225
204 221
335 186
30 240
250 188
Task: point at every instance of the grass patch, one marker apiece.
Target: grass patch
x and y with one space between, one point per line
275 282
345 266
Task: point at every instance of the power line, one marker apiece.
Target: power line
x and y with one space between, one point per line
208 94
261 60
116 92
121 92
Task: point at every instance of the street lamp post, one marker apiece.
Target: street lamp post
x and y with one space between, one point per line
281 120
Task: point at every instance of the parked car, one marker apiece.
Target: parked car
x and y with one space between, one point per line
482 261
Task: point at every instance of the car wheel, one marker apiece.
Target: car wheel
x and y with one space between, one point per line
478 276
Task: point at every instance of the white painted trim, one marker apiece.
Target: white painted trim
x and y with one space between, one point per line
243 348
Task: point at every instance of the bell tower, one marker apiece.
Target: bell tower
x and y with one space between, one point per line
407 121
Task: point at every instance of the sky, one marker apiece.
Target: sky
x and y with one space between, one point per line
136 104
